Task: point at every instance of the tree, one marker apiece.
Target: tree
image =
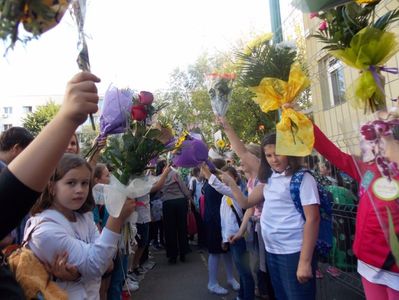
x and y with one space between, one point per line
35 121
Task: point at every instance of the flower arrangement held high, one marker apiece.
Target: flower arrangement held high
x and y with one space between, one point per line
219 88
353 34
37 16
272 73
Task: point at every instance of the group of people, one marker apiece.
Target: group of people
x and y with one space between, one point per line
46 188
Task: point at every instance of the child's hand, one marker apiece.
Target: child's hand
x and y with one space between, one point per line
128 208
236 237
225 246
304 272
61 269
80 98
227 179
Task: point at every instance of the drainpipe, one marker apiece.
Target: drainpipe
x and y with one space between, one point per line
275 16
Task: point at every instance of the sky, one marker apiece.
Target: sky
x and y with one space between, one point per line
133 43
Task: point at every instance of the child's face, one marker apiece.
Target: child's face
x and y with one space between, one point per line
277 162
72 146
71 191
105 177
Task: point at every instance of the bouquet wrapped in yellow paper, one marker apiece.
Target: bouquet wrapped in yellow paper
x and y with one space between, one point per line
294 131
369 50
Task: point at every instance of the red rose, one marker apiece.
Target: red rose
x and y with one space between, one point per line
139 112
323 26
368 132
146 97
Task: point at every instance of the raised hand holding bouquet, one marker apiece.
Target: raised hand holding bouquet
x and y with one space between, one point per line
270 71
353 34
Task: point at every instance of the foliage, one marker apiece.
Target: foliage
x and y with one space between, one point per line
264 60
35 121
131 152
339 25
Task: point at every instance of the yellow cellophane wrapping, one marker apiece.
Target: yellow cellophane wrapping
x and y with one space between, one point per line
294 131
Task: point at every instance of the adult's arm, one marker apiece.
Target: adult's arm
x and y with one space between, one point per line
160 183
250 160
333 154
34 166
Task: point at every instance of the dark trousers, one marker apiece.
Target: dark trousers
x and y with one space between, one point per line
156 232
175 226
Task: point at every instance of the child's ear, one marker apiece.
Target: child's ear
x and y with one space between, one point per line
51 189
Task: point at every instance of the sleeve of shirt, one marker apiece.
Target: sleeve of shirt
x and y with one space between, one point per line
16 200
220 186
308 191
91 259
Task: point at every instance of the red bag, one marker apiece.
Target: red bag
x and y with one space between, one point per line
191 223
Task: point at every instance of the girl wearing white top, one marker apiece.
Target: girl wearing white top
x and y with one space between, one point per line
230 212
290 240
62 221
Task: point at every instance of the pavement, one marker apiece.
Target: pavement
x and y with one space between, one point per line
188 280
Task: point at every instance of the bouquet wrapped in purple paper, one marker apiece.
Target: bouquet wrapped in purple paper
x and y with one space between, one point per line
190 152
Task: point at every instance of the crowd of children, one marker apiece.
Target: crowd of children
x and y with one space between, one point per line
256 228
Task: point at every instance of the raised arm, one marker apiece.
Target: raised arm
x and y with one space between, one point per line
239 148
34 166
333 154
254 198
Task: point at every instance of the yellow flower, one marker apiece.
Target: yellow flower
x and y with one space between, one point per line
181 139
257 41
220 144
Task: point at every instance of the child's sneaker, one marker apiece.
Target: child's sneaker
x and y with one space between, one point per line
217 289
234 285
130 285
149 265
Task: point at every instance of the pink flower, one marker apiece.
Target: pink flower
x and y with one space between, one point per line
323 26
146 98
313 15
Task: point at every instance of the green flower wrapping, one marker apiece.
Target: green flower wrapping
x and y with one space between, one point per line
370 47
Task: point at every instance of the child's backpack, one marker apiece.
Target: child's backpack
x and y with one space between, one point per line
325 238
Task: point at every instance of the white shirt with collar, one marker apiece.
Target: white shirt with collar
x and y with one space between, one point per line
227 217
282 225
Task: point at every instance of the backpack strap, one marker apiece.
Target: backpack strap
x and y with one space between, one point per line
295 186
230 203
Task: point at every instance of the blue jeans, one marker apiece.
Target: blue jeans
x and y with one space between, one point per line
282 268
241 260
118 277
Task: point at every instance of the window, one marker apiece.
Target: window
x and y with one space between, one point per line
27 109
6 126
7 109
332 82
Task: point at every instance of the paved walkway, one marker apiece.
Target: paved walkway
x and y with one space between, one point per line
182 281
188 281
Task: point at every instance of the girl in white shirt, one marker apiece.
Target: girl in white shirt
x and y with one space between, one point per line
231 216
62 221
290 240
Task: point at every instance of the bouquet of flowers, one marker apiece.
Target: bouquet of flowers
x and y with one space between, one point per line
270 71
190 151
219 88
220 149
37 16
128 116
352 34
379 172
